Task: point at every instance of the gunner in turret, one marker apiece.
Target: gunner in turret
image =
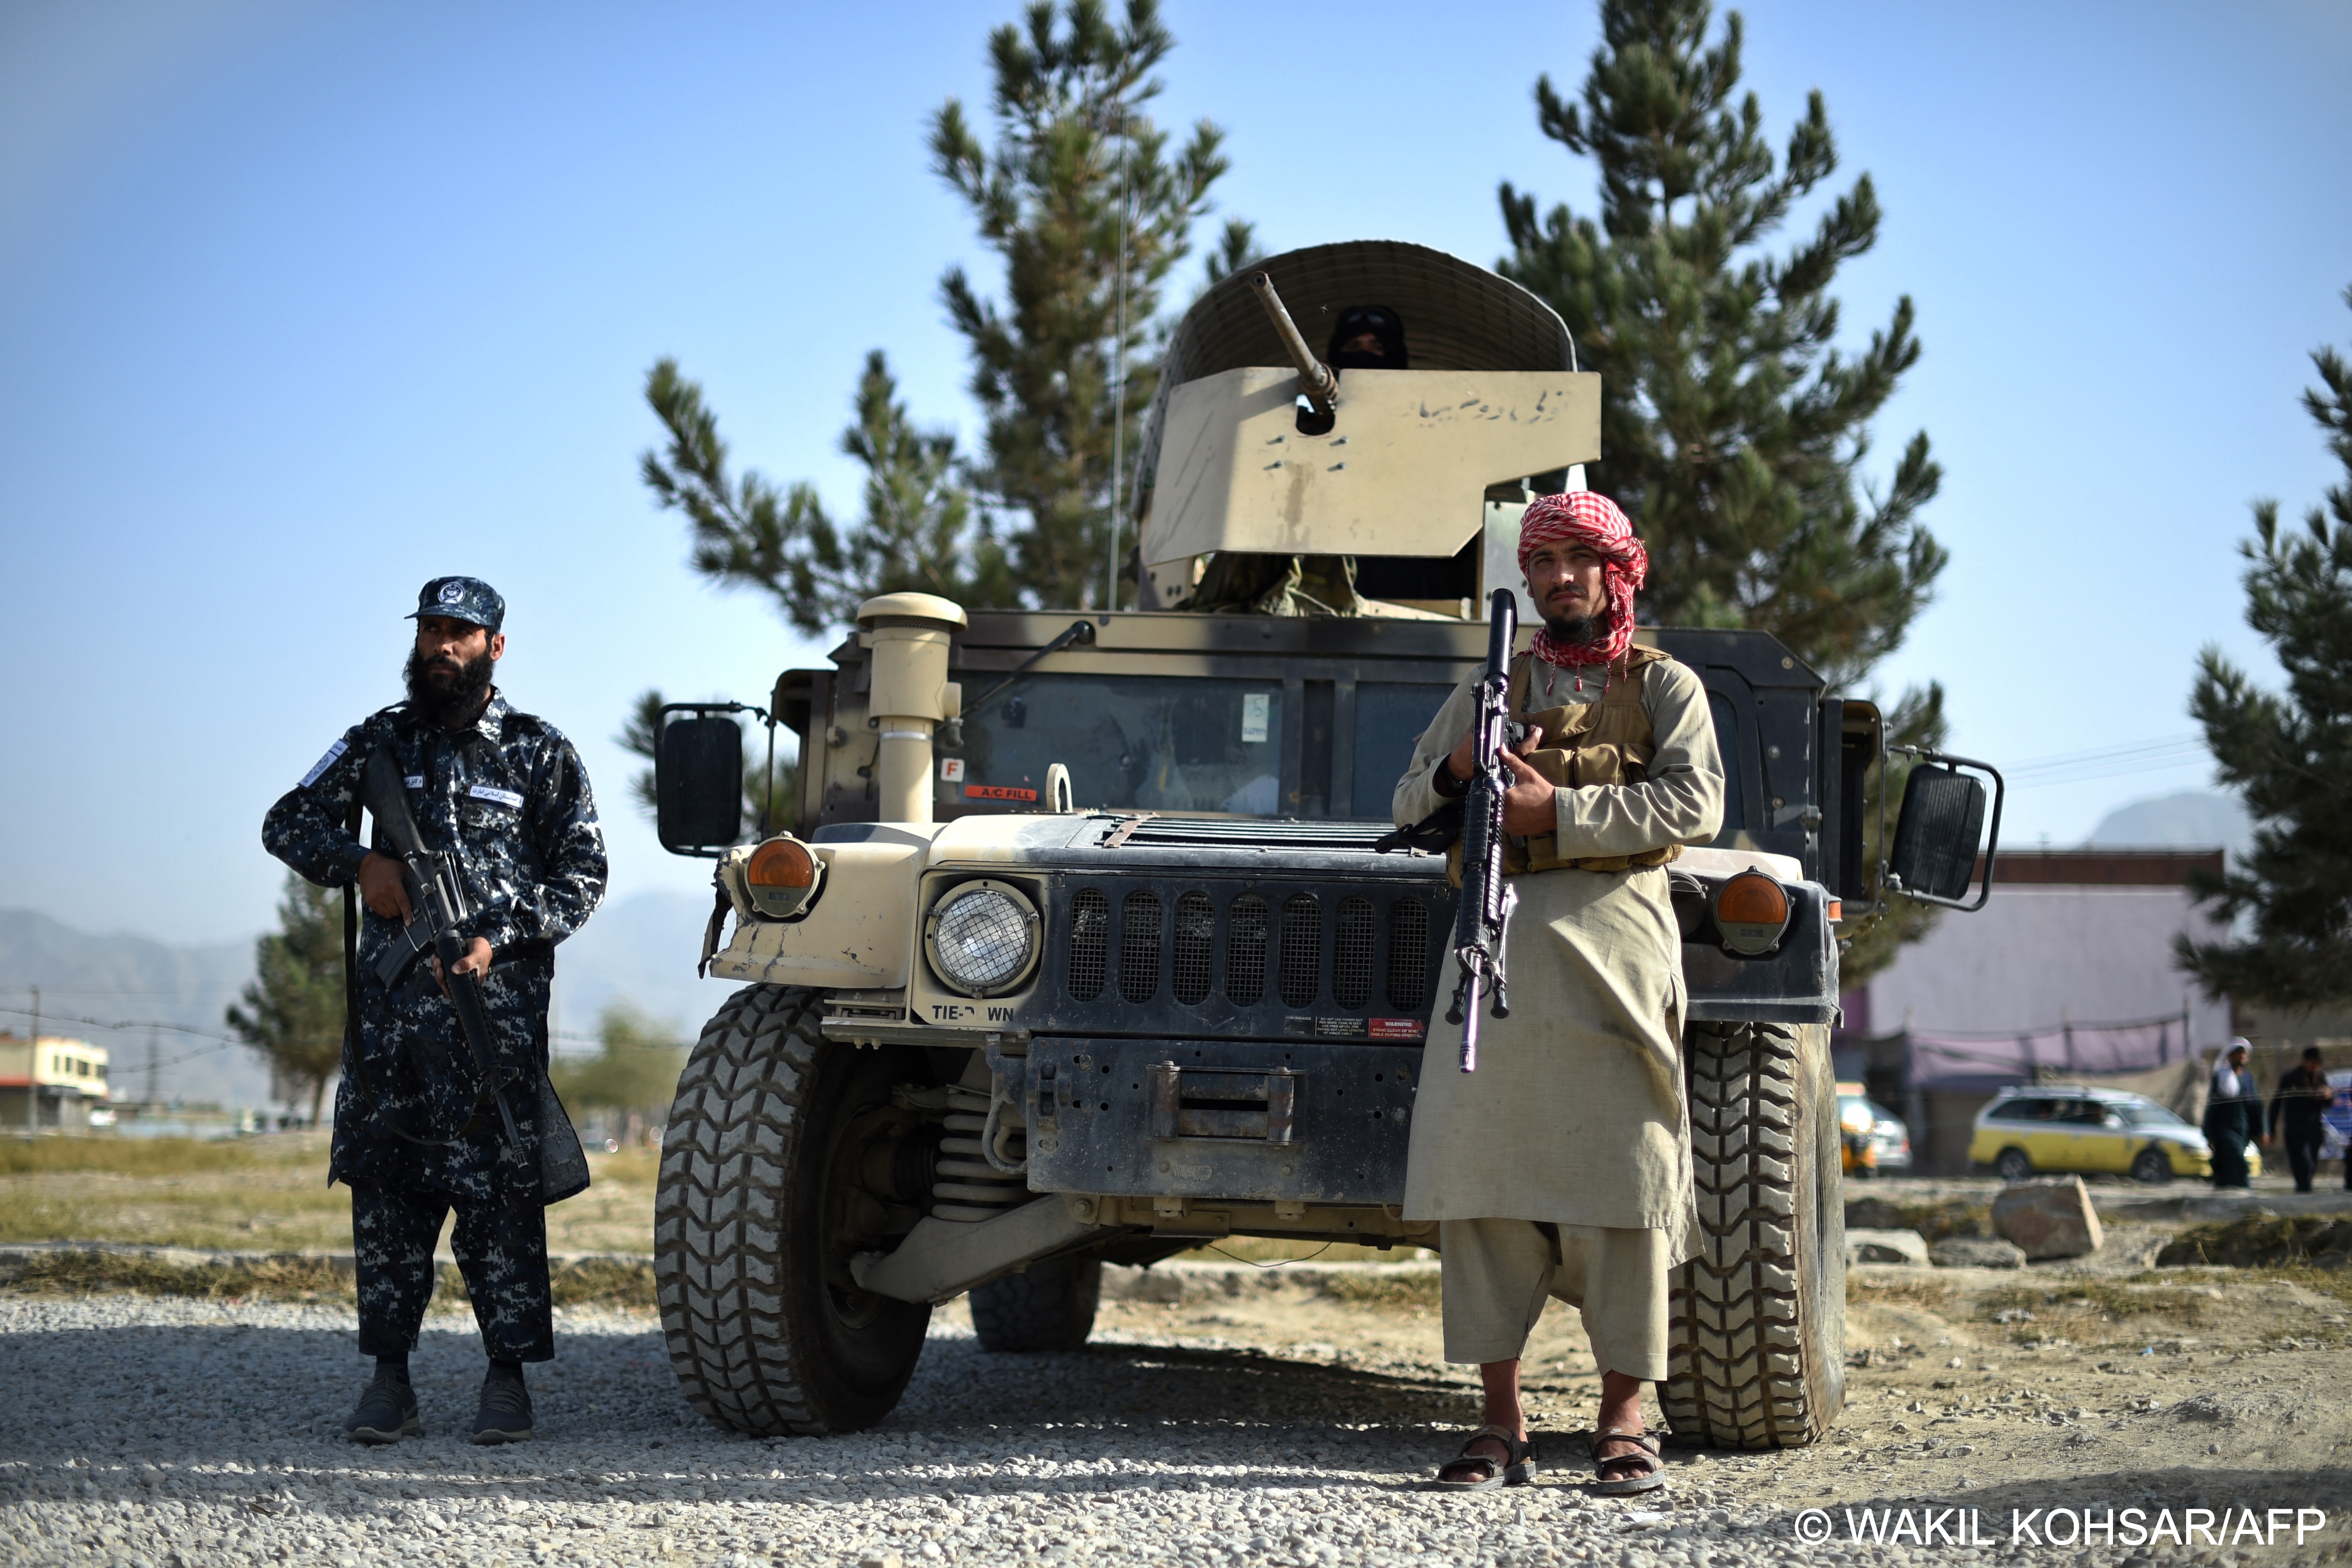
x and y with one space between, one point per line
1562 1167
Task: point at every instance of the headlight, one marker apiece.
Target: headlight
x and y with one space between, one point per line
982 938
781 877
1751 910
1857 1120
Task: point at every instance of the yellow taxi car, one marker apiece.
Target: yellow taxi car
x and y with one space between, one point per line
2052 1128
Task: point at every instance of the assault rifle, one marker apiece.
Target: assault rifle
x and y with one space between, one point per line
1484 920
435 928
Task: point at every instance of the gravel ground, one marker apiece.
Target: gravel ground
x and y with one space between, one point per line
146 1430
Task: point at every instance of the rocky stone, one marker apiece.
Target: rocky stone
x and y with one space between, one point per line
2050 1218
1976 1252
1890 1246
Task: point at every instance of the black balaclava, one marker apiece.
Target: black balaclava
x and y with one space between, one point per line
1382 323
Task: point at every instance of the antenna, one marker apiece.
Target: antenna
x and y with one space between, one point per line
1118 393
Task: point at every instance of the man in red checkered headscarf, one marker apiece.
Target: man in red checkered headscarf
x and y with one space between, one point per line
1562 1167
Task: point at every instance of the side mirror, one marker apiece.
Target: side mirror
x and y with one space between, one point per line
1935 852
698 783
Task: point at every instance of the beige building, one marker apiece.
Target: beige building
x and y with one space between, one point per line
51 1084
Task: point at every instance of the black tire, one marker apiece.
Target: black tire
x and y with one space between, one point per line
1048 1306
2151 1165
1757 1324
764 1328
2013 1165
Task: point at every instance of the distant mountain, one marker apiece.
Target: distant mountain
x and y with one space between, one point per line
131 979
2199 819
641 949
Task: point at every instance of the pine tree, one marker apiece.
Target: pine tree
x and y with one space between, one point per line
1732 430
2289 754
1080 198
292 1012
919 531
635 1066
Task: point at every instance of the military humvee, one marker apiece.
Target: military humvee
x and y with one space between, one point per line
1084 952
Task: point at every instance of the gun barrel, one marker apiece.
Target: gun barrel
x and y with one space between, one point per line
1315 377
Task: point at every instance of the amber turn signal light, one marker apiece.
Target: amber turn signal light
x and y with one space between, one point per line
780 863
1751 910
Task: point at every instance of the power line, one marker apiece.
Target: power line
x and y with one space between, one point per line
2108 761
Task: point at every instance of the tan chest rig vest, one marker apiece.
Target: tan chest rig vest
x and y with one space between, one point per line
1606 742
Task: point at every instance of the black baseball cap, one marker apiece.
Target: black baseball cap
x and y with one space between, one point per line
461 599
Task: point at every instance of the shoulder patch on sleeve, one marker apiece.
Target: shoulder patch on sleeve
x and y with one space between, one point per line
323 763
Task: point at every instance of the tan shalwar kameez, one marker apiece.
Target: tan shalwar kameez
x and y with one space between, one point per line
1575 1123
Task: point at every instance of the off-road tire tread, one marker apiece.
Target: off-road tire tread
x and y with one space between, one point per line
1746 1350
719 1254
1048 1306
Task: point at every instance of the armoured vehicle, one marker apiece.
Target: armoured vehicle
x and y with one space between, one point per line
1084 950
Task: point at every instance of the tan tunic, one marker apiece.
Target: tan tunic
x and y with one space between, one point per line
1576 1115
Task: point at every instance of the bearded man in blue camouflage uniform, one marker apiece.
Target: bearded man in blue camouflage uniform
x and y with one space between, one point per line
505 793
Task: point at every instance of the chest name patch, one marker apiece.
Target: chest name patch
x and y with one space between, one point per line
323 763
492 792
414 781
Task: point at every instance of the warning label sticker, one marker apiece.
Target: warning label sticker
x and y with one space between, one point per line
1398 1028
997 792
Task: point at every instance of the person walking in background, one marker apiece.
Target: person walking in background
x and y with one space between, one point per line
2295 1116
2232 1115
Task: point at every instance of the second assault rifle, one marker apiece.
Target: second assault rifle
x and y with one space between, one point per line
1484 920
437 928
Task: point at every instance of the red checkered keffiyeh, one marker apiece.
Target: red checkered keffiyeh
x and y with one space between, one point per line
1594 520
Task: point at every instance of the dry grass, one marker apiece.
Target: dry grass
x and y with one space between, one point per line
267 1193
1929 1295
2107 1301
1417 1289
585 1281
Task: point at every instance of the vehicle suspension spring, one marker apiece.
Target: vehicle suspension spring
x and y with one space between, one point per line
967 1186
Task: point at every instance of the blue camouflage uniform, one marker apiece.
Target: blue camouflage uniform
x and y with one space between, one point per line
412 1139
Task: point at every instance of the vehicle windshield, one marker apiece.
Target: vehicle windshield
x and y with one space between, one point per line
2148 1113
1244 746
1148 742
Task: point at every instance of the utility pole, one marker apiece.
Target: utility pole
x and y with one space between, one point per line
151 1068
33 1069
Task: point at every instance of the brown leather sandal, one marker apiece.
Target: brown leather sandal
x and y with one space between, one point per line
1517 1471
1649 1478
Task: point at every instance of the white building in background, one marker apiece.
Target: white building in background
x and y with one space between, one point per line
2080 936
2069 967
51 1084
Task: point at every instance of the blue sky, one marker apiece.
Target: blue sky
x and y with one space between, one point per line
301 304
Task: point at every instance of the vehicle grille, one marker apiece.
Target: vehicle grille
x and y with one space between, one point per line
1196 941
1245 952
1408 955
1089 943
1302 950
1138 947
1351 958
1247 961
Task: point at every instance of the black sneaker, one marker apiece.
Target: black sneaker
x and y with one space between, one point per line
387 1413
504 1414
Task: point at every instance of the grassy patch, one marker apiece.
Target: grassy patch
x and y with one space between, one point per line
1929 1294
2103 1299
270 1279
2256 1239
161 1156
1419 1289
586 1282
